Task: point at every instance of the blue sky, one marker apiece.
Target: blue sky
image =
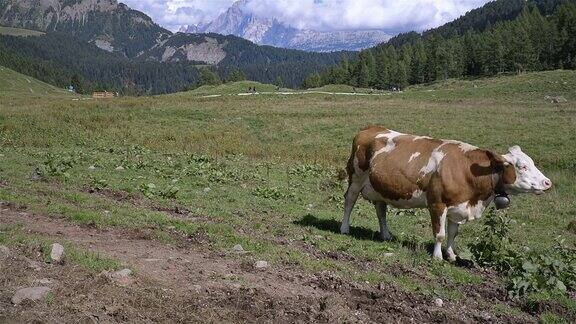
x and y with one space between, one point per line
325 15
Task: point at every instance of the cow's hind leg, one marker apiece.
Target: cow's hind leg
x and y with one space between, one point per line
381 209
452 232
350 199
438 213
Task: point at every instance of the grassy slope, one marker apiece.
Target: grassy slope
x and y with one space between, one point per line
229 88
270 166
15 84
19 31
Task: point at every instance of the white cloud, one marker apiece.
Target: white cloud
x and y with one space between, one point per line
172 14
389 15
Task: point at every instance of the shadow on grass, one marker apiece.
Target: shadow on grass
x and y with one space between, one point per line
362 233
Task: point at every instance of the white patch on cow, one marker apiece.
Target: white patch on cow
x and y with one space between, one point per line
465 147
418 200
433 162
420 137
413 156
390 145
389 134
464 212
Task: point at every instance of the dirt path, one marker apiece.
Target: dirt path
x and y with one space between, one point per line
196 284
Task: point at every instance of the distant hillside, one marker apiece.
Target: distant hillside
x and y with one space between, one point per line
11 31
480 19
110 46
106 23
503 37
13 83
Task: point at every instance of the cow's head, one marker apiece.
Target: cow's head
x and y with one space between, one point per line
520 175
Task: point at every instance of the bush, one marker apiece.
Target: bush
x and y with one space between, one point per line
552 271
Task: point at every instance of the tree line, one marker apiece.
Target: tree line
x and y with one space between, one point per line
528 42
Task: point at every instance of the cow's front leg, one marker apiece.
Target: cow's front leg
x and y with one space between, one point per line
438 213
381 209
452 232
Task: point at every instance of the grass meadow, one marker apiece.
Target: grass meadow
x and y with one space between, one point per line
265 171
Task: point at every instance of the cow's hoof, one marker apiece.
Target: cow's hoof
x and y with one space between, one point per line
386 237
344 230
452 257
437 257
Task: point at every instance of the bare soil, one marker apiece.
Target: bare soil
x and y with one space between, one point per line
197 284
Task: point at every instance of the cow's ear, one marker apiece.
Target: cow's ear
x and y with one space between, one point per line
497 159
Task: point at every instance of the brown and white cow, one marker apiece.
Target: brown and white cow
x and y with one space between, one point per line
455 181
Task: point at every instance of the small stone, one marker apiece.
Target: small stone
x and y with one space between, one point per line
34 265
261 265
121 277
57 253
119 168
438 302
91 167
4 252
43 281
382 286
389 254
238 248
32 293
207 189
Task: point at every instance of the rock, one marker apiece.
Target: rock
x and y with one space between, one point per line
121 277
119 168
4 252
43 281
207 189
91 167
438 302
238 248
389 254
555 99
196 288
34 265
32 293
261 265
57 253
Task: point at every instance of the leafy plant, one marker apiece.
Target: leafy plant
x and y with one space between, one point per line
98 184
147 189
57 165
553 271
272 193
169 192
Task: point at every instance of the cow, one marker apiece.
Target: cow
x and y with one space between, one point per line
454 180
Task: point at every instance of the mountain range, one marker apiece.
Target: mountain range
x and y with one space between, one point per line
239 21
83 35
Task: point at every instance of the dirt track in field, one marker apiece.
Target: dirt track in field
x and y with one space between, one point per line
197 284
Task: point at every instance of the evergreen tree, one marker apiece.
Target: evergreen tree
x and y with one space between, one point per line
208 77
76 82
236 75
279 82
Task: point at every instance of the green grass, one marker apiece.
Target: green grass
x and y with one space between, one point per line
344 88
14 84
260 170
11 31
232 88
